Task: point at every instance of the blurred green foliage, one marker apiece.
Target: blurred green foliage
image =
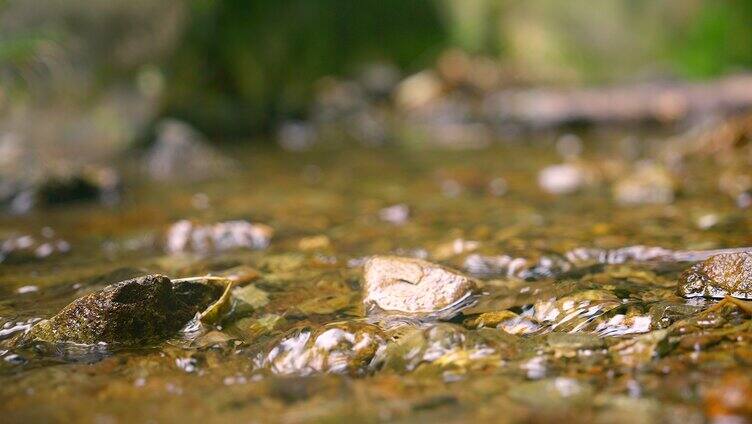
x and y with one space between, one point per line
719 38
244 63
236 67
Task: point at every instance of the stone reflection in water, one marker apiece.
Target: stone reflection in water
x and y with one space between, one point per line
576 312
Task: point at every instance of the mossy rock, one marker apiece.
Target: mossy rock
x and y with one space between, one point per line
130 312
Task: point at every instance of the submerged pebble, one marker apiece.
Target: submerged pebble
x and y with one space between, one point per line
562 179
508 266
414 286
395 214
188 236
584 255
440 344
505 320
721 275
576 312
648 184
554 265
28 247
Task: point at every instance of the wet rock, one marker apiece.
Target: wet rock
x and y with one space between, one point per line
442 344
494 266
579 311
637 351
507 266
296 136
21 248
58 184
188 236
723 139
418 90
744 200
584 255
708 220
458 246
521 325
565 178
251 329
86 184
415 287
721 275
569 146
344 111
369 127
17 174
337 99
130 312
490 319
15 196
350 348
498 187
647 184
460 70
547 266
552 265
396 214
663 314
623 324
447 122
456 180
505 320
180 153
462 135
319 242
379 79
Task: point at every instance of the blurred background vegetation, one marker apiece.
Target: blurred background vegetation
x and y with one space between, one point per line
235 68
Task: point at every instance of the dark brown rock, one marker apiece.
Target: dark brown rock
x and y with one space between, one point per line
129 312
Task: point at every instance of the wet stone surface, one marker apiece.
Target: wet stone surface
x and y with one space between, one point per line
352 349
126 313
719 276
414 286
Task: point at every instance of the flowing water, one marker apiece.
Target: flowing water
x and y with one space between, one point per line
594 342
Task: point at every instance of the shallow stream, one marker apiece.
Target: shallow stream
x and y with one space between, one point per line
601 342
